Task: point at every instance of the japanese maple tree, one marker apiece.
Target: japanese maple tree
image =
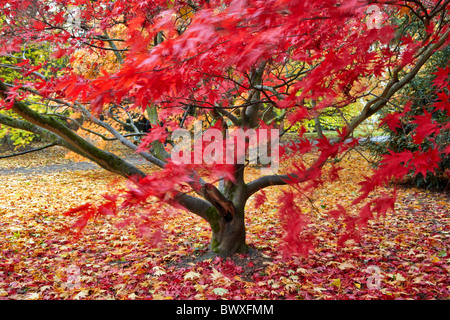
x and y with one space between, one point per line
236 64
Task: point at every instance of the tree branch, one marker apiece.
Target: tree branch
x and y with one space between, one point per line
60 134
281 180
105 159
28 151
266 181
229 115
27 126
393 87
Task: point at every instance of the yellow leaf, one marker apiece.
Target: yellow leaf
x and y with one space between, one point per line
291 287
186 12
336 282
200 288
399 277
199 296
301 270
216 274
191 275
276 285
158 296
158 271
345 265
141 271
33 296
435 259
404 11
81 294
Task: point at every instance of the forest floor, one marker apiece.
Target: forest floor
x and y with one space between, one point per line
404 255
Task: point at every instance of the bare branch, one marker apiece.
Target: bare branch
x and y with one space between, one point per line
229 115
28 151
393 86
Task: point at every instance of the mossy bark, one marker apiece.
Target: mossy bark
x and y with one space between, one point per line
228 237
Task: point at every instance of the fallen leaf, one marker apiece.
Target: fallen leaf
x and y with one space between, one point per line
82 294
346 265
336 282
435 259
33 296
302 270
399 277
191 275
216 274
220 291
159 271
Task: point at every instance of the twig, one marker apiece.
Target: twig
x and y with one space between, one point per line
28 151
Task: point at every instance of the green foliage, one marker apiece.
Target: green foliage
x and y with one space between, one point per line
16 137
10 73
330 118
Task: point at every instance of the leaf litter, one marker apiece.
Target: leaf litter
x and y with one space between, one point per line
402 256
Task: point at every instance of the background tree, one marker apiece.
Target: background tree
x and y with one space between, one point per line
36 55
239 64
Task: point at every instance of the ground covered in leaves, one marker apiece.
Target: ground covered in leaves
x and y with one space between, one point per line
404 256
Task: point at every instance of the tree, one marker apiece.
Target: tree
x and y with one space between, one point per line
242 65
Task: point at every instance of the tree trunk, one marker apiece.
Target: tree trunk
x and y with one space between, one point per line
228 237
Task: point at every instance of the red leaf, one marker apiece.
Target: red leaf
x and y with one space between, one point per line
260 199
365 214
425 162
393 120
38 25
23 63
156 134
327 149
336 214
383 204
443 102
446 151
425 127
334 173
441 79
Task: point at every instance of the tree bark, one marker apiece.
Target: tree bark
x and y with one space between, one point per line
228 237
227 218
